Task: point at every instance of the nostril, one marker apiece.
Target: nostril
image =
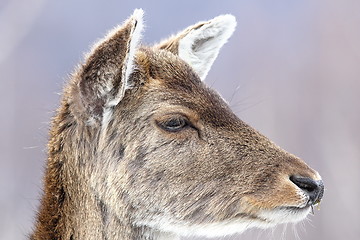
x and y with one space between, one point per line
304 183
314 189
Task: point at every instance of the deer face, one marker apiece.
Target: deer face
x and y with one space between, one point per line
170 148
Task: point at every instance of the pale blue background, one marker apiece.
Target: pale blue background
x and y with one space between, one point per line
291 70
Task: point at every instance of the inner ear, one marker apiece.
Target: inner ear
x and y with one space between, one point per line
200 44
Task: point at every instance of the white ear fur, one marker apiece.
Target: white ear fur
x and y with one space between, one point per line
200 47
128 66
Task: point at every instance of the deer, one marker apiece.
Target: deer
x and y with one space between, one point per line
141 148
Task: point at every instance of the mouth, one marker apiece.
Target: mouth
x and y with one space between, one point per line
297 210
286 214
306 208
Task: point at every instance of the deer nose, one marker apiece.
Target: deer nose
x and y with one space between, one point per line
313 188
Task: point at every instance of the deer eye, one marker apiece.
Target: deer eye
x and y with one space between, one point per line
174 124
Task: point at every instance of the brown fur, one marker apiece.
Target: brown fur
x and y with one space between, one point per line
113 183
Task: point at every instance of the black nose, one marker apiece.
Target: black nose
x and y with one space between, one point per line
314 189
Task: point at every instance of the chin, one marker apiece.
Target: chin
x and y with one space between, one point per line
264 219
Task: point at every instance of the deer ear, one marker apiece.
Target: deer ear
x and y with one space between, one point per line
200 44
104 77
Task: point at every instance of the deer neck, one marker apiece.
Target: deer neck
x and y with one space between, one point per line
73 213
70 209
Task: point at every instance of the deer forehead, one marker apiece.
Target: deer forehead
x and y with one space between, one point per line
170 81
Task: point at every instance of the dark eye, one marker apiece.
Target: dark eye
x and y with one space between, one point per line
174 124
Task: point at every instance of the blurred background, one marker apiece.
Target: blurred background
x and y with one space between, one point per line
291 70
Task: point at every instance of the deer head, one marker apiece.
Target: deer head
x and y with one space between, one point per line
160 150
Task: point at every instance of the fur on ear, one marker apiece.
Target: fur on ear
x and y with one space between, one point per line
104 77
200 44
133 44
